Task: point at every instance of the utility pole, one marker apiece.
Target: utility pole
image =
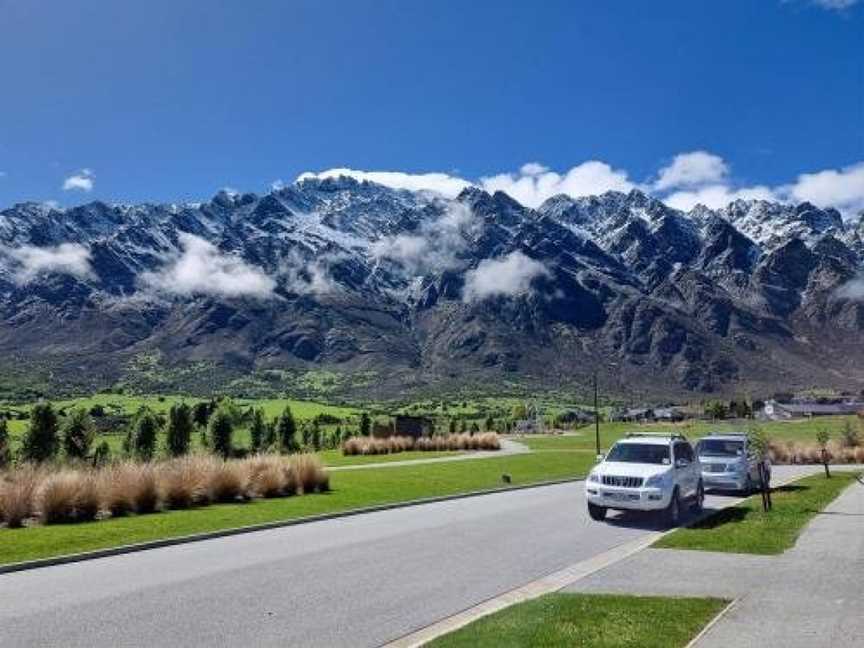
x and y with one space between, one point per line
596 415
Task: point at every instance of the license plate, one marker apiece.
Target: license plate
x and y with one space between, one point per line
617 497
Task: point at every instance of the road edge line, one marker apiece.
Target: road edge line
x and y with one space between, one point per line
713 622
108 552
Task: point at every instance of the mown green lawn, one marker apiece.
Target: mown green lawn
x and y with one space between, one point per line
803 430
588 621
351 489
745 528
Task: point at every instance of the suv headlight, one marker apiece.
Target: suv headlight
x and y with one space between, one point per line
593 477
656 481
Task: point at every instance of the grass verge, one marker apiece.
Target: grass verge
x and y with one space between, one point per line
598 621
350 490
745 528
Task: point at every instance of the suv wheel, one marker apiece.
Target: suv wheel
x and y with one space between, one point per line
699 499
672 514
597 513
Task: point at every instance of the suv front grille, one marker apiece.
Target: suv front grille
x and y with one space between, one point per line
626 482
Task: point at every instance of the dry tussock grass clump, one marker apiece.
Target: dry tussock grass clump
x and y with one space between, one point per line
266 475
228 481
18 496
68 496
796 452
451 442
309 473
54 495
184 482
118 486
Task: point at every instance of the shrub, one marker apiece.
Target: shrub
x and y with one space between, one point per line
41 441
68 496
365 425
221 432
5 449
178 436
141 440
17 496
78 434
286 431
257 430
102 454
849 437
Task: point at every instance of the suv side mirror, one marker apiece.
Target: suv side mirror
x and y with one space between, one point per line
681 463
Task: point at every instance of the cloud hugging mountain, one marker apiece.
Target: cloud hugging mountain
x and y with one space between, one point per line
418 289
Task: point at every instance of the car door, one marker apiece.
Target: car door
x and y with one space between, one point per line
684 474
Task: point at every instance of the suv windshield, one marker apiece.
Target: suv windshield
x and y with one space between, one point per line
720 448
639 453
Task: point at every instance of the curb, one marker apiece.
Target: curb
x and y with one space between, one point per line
713 622
557 581
222 533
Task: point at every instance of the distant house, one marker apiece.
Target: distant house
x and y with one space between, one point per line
778 411
530 426
668 414
637 415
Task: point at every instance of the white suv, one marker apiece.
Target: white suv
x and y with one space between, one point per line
646 472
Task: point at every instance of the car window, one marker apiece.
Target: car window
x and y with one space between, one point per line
639 453
721 448
684 451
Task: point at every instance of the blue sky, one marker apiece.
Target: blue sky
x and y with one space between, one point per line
163 101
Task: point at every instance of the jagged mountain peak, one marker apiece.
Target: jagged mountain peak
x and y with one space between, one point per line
349 274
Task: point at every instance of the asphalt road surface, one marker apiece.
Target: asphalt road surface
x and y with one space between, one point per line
357 581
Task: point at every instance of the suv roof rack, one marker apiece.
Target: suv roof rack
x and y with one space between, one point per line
662 435
741 434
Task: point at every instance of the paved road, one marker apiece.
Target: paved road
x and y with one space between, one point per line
356 581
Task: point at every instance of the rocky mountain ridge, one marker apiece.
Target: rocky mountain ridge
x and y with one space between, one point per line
420 292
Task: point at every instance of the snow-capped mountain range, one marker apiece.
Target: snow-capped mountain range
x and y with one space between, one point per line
420 291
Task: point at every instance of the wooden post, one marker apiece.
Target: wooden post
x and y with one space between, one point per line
825 462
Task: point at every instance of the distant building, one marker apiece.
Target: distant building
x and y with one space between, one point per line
777 411
413 426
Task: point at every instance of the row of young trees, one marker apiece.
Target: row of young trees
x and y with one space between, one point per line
50 436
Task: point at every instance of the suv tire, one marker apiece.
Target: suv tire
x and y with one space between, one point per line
672 513
698 499
597 513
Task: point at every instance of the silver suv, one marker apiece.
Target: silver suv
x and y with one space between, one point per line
646 472
729 462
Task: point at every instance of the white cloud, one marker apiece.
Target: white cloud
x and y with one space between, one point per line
201 269
717 196
309 278
509 275
81 181
853 289
66 258
435 245
2 174
535 183
692 169
442 183
843 188
691 178
835 5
